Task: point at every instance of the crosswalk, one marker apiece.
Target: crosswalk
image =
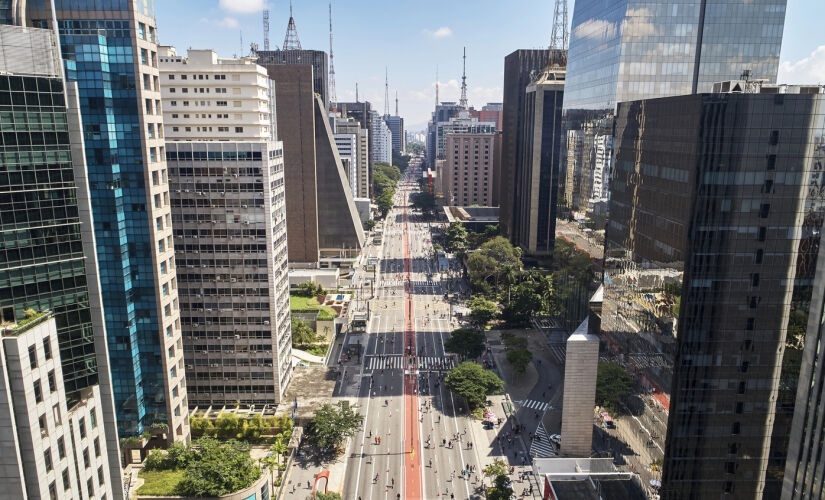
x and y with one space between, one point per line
390 283
538 406
541 447
394 361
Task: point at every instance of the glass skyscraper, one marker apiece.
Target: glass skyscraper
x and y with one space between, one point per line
624 50
113 59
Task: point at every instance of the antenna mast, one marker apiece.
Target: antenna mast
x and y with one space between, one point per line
436 85
333 99
266 29
356 91
291 41
396 103
463 101
386 92
559 36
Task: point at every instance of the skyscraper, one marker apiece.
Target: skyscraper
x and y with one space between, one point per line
630 50
229 218
362 113
399 140
109 48
318 59
381 140
710 260
49 264
520 68
535 177
471 161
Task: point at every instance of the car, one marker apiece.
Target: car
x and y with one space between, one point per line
556 439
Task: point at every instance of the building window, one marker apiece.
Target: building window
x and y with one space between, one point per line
52 381
100 476
58 420
238 130
90 486
93 418
47 348
66 483
61 448
52 491
47 459
735 428
97 447
82 424
87 462
38 392
33 356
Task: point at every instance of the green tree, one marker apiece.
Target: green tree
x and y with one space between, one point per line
424 202
309 289
466 342
512 342
385 202
228 426
455 238
502 488
218 469
330 425
613 384
482 311
519 358
327 496
494 260
302 333
370 224
525 301
473 383
499 467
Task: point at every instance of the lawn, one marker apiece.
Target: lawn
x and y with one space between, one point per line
160 482
308 304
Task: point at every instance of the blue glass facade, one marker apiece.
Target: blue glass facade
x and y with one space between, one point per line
98 55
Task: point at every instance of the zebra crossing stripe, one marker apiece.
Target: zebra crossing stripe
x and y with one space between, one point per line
535 405
542 448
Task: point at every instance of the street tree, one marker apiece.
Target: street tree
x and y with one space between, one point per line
519 358
502 488
385 202
465 342
474 383
499 467
370 224
525 301
482 311
613 384
330 426
455 238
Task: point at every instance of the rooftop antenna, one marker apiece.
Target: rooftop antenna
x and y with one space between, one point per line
463 101
396 103
386 92
333 99
559 36
436 85
240 54
291 41
266 29
356 91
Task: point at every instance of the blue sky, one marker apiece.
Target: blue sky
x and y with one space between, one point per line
411 38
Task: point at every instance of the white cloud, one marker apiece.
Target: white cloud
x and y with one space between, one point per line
595 29
242 6
442 32
807 70
228 22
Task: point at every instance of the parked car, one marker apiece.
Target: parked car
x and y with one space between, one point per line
555 439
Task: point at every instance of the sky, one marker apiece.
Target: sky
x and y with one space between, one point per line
411 40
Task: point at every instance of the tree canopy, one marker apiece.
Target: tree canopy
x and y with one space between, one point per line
466 342
473 383
482 311
302 333
385 202
455 238
613 384
499 467
502 488
309 289
493 260
519 358
330 425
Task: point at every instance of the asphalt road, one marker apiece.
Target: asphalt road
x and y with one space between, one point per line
402 396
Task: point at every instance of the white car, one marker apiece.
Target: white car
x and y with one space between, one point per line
555 439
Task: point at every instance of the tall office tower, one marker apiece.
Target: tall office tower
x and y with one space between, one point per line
381 140
362 113
318 59
49 261
629 50
399 140
442 113
470 167
115 42
323 226
54 444
520 68
535 177
349 126
226 175
711 252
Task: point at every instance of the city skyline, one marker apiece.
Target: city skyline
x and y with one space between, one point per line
424 41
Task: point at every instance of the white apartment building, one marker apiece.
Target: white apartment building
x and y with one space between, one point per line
381 140
51 447
209 98
353 127
226 174
347 145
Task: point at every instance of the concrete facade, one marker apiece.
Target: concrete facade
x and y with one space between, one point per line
318 59
53 446
353 127
399 139
381 140
321 214
362 113
580 368
471 163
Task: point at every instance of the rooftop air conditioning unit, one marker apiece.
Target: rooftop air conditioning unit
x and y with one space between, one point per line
244 206
266 322
237 337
